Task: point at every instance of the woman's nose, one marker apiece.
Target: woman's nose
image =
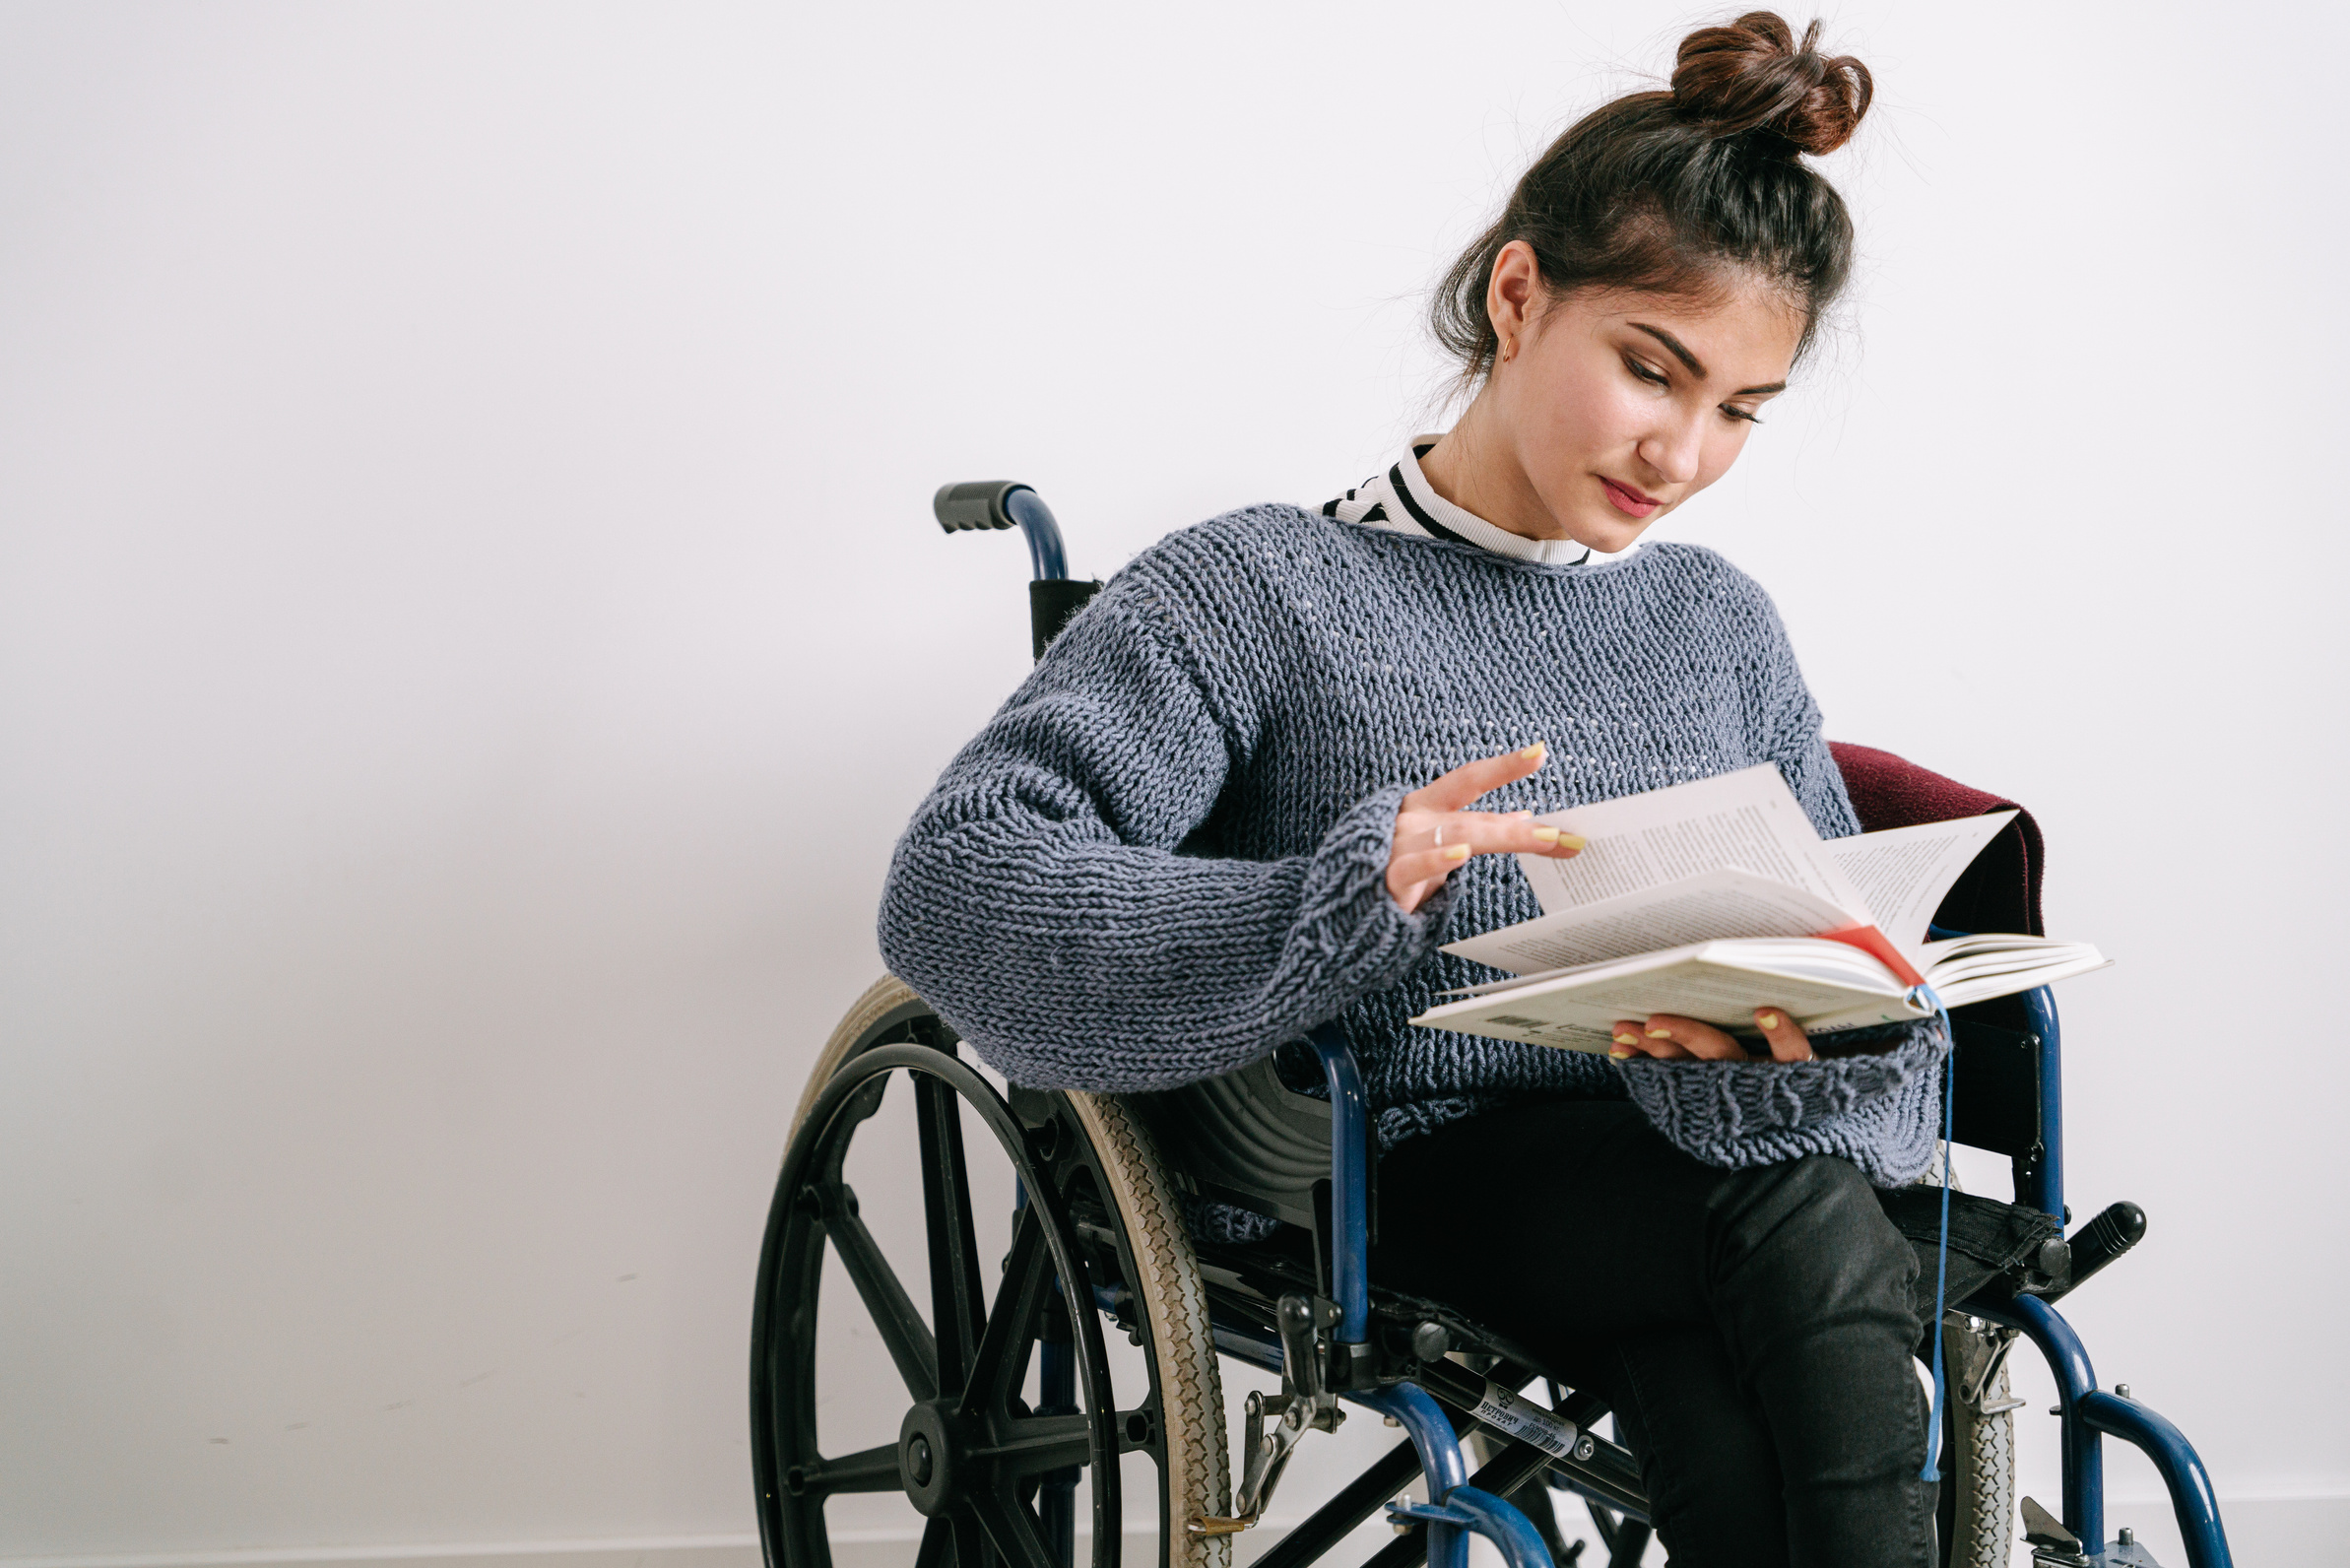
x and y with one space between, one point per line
1672 451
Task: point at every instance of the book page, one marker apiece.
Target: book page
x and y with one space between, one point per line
1800 958
1719 904
1576 1011
1904 873
1967 969
1748 821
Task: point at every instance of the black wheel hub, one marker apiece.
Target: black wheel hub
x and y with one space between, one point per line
929 1458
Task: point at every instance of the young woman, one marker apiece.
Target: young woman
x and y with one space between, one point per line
1287 753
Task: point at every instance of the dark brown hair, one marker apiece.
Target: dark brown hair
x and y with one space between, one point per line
1677 192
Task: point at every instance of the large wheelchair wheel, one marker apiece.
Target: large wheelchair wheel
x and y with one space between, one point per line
1012 1403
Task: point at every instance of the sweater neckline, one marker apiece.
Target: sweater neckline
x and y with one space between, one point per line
1400 500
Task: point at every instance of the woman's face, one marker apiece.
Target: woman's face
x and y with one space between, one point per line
1619 407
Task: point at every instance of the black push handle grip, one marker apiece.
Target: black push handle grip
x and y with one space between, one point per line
988 503
2105 1238
984 503
974 503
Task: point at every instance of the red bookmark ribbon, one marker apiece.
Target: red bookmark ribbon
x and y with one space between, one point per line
1877 946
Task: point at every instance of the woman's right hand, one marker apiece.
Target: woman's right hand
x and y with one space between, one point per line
1435 832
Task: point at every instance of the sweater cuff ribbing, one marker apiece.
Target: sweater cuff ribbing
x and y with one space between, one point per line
1880 1112
1348 922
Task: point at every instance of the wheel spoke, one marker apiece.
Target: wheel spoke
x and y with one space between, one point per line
1001 1356
970 1542
938 1545
957 1303
873 1469
1028 1444
1011 1529
893 1312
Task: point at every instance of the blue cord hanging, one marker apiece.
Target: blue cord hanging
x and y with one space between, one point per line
1925 996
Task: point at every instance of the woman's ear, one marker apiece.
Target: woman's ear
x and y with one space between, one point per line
1513 292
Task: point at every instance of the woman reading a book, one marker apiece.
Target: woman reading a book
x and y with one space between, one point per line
1287 753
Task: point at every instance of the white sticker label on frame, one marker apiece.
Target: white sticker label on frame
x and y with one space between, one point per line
1526 1420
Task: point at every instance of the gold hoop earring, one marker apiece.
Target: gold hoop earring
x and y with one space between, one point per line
1509 351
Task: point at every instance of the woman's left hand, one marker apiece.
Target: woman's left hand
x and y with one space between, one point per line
1670 1036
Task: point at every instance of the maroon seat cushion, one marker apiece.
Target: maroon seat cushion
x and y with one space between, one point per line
2000 891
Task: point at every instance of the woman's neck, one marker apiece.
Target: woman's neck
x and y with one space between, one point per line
1473 468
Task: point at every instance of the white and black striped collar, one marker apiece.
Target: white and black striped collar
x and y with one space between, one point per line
1402 501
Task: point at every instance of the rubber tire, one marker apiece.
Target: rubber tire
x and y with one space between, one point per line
1163 1274
1980 1461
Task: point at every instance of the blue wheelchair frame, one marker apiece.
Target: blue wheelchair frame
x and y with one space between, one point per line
1455 1509
2088 1412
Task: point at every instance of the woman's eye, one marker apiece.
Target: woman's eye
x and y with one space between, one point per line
1648 373
1745 416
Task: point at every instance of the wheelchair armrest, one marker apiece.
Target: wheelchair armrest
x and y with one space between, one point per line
1349 1183
2011 1087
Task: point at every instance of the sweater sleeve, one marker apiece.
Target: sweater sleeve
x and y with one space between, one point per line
1044 901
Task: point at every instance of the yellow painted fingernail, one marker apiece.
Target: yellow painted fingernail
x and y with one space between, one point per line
1627 1039
1769 1020
1618 1052
1570 841
1660 1034
1545 835
1456 851
1534 750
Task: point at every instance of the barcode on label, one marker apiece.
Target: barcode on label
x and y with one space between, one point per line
1527 1421
1521 1023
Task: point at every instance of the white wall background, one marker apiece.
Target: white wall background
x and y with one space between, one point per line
471 629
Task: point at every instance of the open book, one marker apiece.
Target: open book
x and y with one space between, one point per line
1715 899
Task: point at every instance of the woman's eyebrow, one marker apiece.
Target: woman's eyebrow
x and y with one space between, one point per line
1681 353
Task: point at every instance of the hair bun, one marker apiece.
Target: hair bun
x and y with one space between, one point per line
1753 75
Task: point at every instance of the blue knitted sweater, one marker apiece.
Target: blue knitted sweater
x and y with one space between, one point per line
1166 854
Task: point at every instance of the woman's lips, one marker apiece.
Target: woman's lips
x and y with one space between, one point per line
1627 499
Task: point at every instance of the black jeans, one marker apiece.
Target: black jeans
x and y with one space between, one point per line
1752 1330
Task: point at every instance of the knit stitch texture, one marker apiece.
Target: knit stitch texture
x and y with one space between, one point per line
1166 854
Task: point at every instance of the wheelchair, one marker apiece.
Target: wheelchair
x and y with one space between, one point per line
1010 1403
